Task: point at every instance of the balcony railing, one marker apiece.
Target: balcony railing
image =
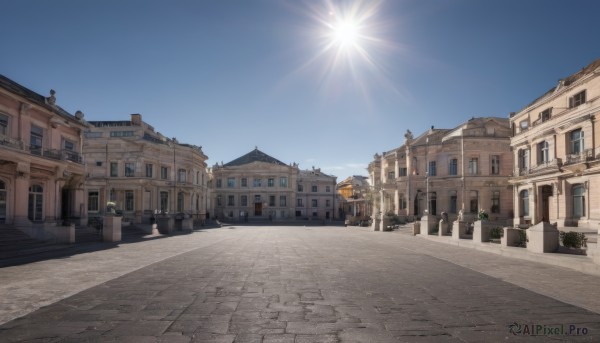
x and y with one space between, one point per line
584 156
546 166
59 155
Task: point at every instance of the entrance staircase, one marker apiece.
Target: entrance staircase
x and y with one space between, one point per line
16 244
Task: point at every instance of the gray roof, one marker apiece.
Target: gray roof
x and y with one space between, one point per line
254 156
34 97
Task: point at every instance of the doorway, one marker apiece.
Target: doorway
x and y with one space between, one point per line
258 209
546 194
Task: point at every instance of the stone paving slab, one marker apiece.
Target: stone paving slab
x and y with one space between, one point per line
278 284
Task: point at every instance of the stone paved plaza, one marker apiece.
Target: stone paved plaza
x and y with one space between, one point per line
295 284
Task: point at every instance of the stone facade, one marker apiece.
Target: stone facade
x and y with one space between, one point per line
137 172
257 186
555 148
41 168
463 169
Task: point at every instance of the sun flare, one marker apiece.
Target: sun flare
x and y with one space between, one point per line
345 33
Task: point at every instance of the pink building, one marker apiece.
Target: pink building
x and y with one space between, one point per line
41 169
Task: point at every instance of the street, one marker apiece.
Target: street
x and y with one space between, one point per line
300 284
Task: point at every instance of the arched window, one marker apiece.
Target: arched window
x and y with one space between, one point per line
524 203
578 192
36 203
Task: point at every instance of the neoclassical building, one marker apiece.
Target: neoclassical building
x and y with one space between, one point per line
448 170
137 171
41 168
258 186
555 148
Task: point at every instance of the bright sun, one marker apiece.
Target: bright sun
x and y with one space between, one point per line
345 33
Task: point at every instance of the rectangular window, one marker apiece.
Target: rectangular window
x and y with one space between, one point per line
300 188
327 189
244 200
272 200
257 183
114 169
128 200
244 182
473 166
577 141
545 115
314 203
271 182
432 171
164 202
230 200
495 202
402 201
68 145
219 200
3 125
129 169
577 99
182 175
219 183
257 198
282 201
149 170
230 182
474 201
92 134
93 201
283 182
403 171
391 175
453 201
164 173
299 202
495 167
453 167
314 188
523 159
121 133
327 203
543 152
36 139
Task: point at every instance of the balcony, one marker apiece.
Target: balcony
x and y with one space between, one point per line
59 155
546 166
582 157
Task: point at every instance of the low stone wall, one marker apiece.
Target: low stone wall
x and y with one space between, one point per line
51 232
111 229
481 231
511 237
459 230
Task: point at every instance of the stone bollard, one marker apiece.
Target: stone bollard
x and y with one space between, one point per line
416 228
543 237
443 228
111 229
165 225
428 224
481 231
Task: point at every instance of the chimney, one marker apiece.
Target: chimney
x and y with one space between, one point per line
136 119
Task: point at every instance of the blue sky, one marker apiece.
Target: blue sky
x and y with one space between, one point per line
231 75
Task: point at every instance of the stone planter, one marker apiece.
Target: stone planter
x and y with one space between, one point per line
511 237
165 225
111 229
481 231
459 230
543 237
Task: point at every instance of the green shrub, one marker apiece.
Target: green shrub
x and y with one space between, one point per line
523 238
573 239
496 233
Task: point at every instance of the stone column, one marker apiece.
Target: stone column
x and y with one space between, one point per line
21 200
